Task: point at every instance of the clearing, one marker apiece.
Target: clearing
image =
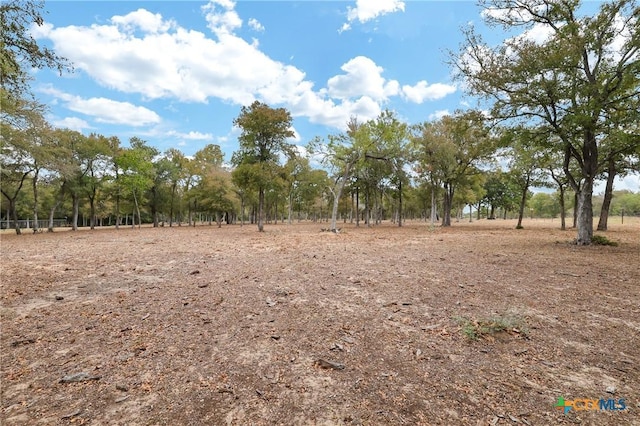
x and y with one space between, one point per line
296 326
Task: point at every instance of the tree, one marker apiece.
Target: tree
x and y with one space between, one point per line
76 160
137 170
617 163
450 149
342 153
571 84
264 137
553 165
19 49
390 136
98 152
21 128
175 173
205 165
499 192
525 166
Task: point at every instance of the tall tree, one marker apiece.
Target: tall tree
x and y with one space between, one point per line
175 174
22 129
97 157
451 148
342 152
391 137
138 171
525 166
265 131
572 83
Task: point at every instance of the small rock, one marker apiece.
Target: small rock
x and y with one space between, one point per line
121 399
59 298
121 387
194 272
68 416
203 285
323 363
610 389
125 356
78 377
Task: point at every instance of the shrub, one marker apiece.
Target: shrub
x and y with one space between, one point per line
509 322
600 240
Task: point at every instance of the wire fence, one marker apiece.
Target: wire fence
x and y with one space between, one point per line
31 224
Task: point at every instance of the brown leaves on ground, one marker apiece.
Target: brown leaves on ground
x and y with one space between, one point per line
298 326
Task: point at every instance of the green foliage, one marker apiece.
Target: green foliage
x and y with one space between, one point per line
579 89
19 50
451 149
601 240
475 329
264 137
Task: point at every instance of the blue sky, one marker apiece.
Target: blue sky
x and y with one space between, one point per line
176 73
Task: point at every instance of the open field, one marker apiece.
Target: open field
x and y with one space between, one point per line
295 326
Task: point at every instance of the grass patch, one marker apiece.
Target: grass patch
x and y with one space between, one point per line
599 240
477 328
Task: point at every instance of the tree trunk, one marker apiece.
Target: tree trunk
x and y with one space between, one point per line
171 204
608 195
76 210
434 208
357 207
337 193
575 209
14 213
135 201
585 213
400 203
447 204
523 200
261 210
563 211
52 212
241 211
35 199
92 209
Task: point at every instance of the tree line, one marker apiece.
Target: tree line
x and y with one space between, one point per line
562 114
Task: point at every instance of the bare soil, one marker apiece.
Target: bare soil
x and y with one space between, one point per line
293 326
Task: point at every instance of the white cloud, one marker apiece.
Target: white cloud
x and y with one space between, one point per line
362 78
161 59
143 20
439 114
73 123
422 91
223 21
107 110
296 136
197 136
255 24
367 10
630 182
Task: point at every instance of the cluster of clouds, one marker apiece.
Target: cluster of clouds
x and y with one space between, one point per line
143 53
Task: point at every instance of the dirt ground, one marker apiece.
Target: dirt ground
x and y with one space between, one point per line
293 326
